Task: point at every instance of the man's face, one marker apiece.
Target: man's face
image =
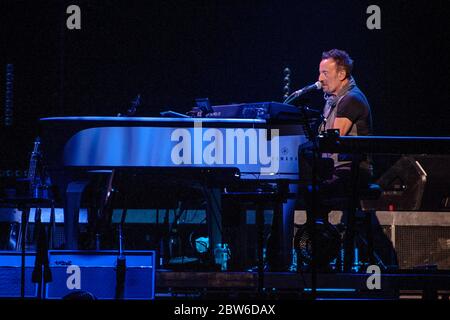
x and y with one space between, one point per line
330 76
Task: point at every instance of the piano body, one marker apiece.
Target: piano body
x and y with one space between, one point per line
251 150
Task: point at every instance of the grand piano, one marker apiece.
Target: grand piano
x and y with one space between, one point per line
223 150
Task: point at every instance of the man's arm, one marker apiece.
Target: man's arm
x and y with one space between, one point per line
343 124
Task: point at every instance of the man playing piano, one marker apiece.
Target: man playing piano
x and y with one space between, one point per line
347 110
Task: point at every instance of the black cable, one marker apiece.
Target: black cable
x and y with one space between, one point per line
176 218
216 202
302 275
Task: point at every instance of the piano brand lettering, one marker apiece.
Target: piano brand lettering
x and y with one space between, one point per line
226 147
63 262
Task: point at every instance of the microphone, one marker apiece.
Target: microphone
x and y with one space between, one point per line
315 86
296 94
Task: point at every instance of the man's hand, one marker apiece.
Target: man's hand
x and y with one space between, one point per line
343 124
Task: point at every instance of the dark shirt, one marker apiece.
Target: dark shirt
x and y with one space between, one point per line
355 107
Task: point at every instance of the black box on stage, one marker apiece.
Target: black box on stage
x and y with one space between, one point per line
95 272
10 274
419 182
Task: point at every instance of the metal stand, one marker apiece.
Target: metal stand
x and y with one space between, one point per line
260 246
22 239
262 199
121 266
41 272
314 198
24 205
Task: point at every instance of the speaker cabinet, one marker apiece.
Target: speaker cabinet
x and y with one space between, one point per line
420 182
413 239
406 240
10 274
97 274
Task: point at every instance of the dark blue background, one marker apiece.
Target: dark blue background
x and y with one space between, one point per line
172 52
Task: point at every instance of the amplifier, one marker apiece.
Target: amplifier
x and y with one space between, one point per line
10 274
95 272
408 240
419 182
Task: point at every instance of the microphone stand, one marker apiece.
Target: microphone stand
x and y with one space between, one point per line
291 97
314 181
298 93
121 262
41 272
22 240
314 185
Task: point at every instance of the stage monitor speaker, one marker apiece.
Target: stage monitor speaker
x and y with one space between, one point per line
406 240
97 274
10 274
420 182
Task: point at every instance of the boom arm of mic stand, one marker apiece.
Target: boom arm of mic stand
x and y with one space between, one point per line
294 95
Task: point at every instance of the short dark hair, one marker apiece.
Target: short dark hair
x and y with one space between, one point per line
342 59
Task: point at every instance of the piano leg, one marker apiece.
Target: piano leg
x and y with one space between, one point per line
279 246
213 217
74 192
288 228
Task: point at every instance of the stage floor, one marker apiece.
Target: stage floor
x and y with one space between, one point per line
290 285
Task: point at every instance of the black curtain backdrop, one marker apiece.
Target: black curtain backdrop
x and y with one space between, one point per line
172 52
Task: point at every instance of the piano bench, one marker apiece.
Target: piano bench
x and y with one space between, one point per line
354 211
